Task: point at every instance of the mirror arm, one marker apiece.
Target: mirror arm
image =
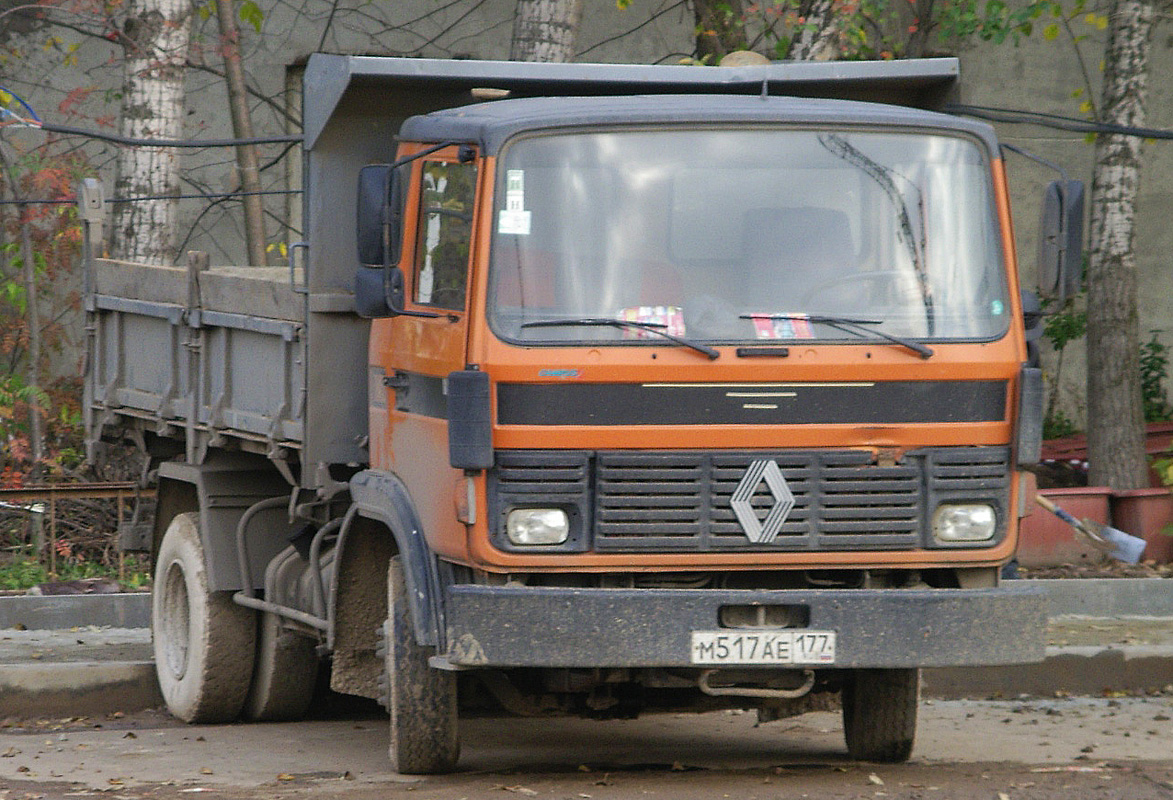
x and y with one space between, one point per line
388 294
1035 158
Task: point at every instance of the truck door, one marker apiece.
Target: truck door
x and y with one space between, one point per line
421 351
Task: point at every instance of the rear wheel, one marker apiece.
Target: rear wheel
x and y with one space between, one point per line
879 714
203 642
420 699
285 675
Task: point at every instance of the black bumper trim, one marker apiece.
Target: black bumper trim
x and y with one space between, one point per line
555 627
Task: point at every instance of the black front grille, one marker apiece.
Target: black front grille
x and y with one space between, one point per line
681 501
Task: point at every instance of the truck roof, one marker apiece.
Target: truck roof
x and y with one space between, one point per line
340 89
490 124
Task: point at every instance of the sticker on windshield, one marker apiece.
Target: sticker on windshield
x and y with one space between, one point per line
514 219
515 189
796 327
513 222
670 317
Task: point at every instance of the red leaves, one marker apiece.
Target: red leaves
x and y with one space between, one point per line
75 98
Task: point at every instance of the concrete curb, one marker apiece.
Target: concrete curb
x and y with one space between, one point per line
77 688
1077 670
61 612
1108 597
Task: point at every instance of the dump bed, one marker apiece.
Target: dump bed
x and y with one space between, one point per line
213 355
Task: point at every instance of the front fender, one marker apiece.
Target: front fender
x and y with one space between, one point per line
381 496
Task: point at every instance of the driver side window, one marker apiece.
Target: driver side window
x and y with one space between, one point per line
445 234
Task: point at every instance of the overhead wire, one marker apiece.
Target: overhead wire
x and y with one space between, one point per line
1016 116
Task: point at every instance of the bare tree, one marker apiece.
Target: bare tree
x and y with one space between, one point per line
545 30
156 36
247 158
1116 452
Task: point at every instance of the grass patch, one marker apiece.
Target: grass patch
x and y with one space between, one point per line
23 572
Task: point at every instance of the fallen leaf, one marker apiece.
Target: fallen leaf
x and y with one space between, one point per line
520 790
284 776
876 779
206 771
10 752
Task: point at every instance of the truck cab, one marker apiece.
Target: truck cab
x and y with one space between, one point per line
726 390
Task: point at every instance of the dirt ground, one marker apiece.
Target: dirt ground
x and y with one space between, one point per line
993 750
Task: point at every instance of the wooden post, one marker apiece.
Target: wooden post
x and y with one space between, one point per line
121 554
52 535
37 538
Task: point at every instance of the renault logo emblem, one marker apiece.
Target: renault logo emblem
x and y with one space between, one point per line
762 531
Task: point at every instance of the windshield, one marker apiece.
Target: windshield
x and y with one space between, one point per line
743 235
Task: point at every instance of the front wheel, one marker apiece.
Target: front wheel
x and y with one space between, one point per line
879 714
420 699
203 642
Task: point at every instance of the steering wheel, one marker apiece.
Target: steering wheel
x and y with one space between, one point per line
889 277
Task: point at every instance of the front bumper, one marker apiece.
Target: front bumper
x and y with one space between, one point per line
516 626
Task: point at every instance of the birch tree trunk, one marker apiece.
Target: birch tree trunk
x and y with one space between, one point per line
815 39
155 38
545 30
1116 453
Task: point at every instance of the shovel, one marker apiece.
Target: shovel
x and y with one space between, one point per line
1117 544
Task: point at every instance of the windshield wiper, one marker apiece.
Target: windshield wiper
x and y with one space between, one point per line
860 327
654 327
882 175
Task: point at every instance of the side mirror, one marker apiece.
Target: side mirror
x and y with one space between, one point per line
378 293
1061 240
380 215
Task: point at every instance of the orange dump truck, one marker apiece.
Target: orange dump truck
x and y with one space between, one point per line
647 388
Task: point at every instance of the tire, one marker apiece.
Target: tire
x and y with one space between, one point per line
284 676
421 700
203 642
879 714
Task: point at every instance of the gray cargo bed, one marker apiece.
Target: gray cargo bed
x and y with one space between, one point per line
203 354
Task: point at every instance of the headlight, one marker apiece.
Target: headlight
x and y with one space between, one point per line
530 526
964 523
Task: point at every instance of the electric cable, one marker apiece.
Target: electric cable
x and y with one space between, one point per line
20 100
132 142
209 196
1073 124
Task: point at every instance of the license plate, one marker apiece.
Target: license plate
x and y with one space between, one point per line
763 647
